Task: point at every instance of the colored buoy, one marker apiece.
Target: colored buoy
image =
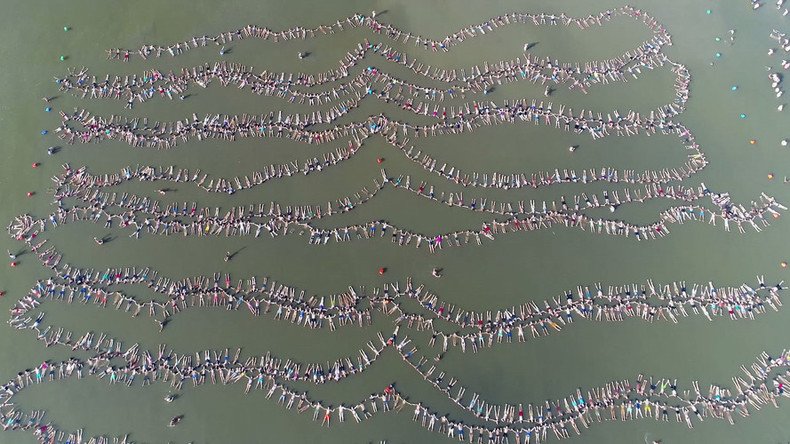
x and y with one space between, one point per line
62 58
13 264
382 270
44 132
708 11
718 39
48 109
379 159
2 293
35 164
718 54
30 194
734 88
783 264
770 176
66 29
753 142
743 116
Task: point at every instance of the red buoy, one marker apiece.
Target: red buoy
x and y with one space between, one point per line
35 164
30 194
382 270
2 293
379 160
13 264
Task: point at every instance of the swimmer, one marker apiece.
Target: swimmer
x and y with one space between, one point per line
655 441
175 420
11 255
99 241
228 256
436 272
171 397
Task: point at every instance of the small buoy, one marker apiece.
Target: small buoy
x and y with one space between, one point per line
743 116
718 54
734 88
382 270
44 132
770 176
30 194
718 39
2 293
753 142
66 29
14 264
62 58
775 215
783 264
35 164
783 142
780 107
708 11
379 159
48 109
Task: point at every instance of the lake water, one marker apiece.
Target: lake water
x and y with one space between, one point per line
516 268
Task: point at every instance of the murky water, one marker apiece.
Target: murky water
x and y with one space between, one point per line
515 268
